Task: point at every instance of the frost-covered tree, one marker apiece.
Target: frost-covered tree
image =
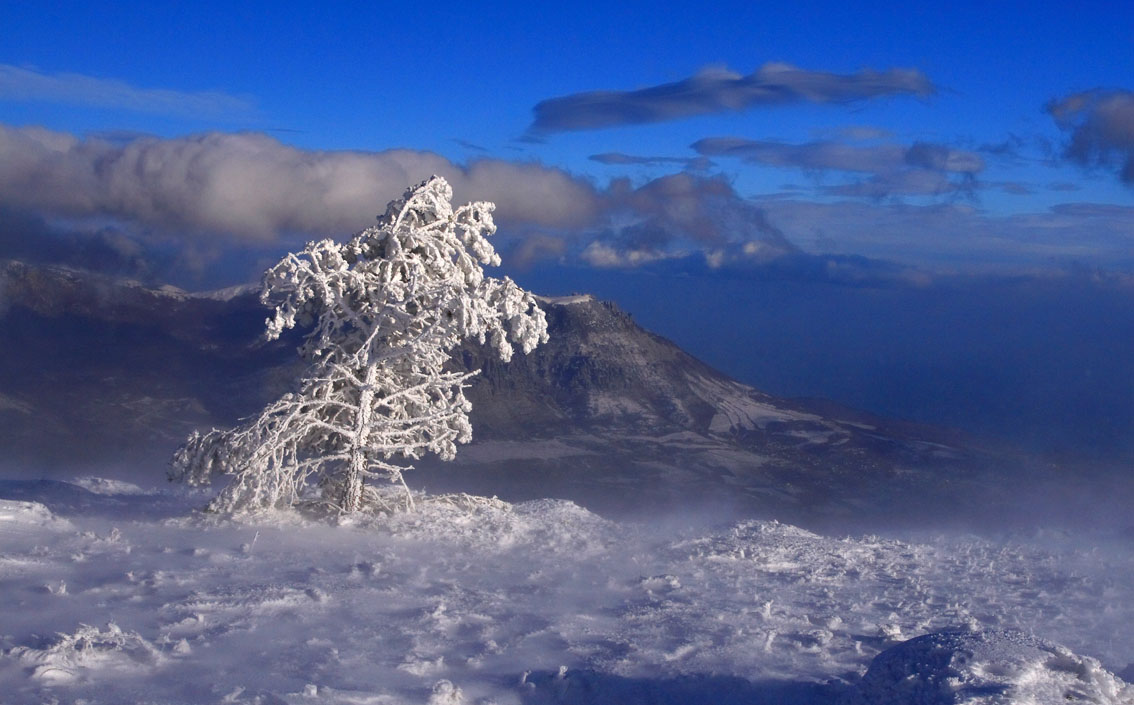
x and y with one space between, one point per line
386 310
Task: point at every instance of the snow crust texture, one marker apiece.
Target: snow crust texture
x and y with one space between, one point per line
476 601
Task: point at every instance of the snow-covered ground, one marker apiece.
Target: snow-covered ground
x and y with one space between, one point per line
112 594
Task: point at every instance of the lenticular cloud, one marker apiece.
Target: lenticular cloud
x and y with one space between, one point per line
716 89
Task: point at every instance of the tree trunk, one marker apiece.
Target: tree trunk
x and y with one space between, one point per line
351 499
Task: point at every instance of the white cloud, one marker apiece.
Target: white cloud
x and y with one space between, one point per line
216 191
605 256
253 186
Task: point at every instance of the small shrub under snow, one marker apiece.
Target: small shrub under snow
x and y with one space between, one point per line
88 649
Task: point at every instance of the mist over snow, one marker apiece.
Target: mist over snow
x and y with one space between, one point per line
115 595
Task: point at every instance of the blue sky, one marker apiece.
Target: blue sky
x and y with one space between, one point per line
846 150
464 83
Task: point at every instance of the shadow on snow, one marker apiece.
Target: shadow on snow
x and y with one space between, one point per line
589 687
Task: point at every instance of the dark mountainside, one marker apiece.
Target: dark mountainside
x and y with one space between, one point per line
104 375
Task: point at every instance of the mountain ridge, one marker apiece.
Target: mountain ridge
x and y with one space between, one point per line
97 370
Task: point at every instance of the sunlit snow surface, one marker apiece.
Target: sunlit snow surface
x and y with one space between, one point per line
131 597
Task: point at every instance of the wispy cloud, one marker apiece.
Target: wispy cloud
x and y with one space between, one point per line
857 133
1016 188
620 159
821 156
957 235
810 155
922 168
717 90
909 182
469 145
27 85
1063 186
1101 124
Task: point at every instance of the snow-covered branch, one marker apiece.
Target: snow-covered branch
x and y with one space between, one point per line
385 311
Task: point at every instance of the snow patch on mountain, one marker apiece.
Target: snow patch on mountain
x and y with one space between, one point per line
738 410
565 300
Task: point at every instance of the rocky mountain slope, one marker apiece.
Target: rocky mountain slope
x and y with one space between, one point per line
102 372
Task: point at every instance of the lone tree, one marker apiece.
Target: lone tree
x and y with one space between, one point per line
386 309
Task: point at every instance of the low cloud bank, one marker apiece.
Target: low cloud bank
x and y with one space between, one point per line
171 208
219 190
253 187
